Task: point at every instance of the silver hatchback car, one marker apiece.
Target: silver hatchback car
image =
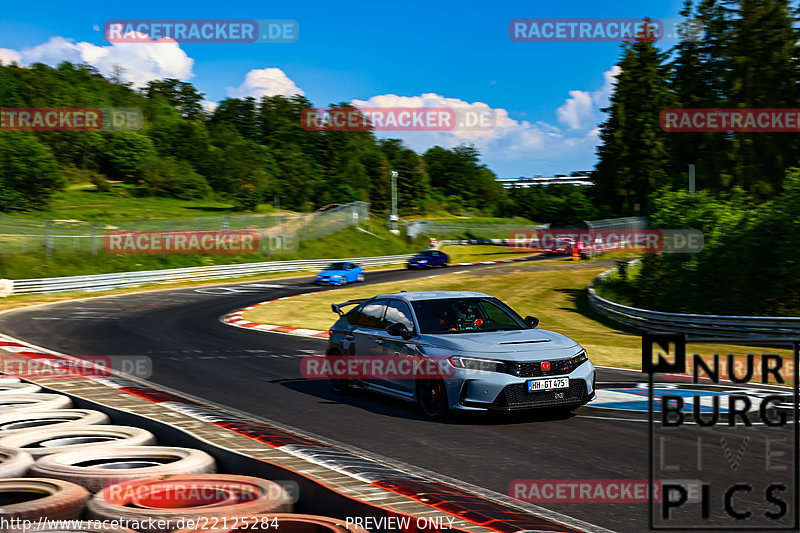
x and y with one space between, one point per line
486 357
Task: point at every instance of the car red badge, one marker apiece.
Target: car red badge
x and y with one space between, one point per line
545 366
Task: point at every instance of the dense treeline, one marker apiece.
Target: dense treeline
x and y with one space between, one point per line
247 151
748 199
747 56
750 263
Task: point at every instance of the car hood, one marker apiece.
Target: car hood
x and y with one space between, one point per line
520 345
332 273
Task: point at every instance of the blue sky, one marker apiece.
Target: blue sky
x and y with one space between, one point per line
546 95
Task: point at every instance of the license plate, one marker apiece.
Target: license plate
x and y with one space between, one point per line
548 384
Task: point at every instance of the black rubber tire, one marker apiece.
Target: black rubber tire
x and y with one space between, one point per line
340 386
40 442
25 420
97 468
18 388
432 398
42 498
165 499
14 463
37 401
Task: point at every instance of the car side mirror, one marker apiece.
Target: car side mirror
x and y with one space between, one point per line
398 330
532 321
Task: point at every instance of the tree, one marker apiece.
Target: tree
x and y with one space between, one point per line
29 173
179 94
412 183
633 154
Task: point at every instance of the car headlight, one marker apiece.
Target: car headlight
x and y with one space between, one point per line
473 363
578 360
423 260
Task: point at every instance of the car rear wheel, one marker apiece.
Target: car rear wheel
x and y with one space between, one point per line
360 277
340 386
432 398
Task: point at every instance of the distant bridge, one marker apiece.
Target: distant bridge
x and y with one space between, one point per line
582 180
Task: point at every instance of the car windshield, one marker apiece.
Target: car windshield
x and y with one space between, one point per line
466 315
336 266
426 253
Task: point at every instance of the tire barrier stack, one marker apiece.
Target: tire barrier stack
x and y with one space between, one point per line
61 463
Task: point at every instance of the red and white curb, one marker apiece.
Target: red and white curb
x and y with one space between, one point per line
235 318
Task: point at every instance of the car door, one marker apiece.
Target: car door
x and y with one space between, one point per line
398 349
351 272
369 335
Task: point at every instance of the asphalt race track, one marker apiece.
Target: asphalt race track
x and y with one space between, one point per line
257 372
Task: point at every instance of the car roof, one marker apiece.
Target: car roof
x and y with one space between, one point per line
414 296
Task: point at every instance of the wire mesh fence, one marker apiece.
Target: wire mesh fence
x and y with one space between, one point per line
281 231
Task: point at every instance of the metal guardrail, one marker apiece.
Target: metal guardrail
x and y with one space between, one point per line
102 282
717 325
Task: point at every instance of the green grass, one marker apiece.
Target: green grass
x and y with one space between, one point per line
349 242
83 202
470 253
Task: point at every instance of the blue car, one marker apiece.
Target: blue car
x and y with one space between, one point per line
475 352
428 259
340 274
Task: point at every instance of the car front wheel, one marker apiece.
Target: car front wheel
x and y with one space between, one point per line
432 398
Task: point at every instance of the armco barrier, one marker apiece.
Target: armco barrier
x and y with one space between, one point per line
102 282
715 325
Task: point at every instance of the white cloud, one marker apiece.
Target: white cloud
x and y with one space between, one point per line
209 105
265 82
9 56
514 147
582 108
139 62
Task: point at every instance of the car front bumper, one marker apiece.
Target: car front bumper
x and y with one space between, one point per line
329 281
496 391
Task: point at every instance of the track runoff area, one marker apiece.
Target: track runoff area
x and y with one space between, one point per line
591 471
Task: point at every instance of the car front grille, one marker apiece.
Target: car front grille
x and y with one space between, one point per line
517 395
534 369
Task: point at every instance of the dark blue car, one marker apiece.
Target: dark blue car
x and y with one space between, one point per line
428 259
